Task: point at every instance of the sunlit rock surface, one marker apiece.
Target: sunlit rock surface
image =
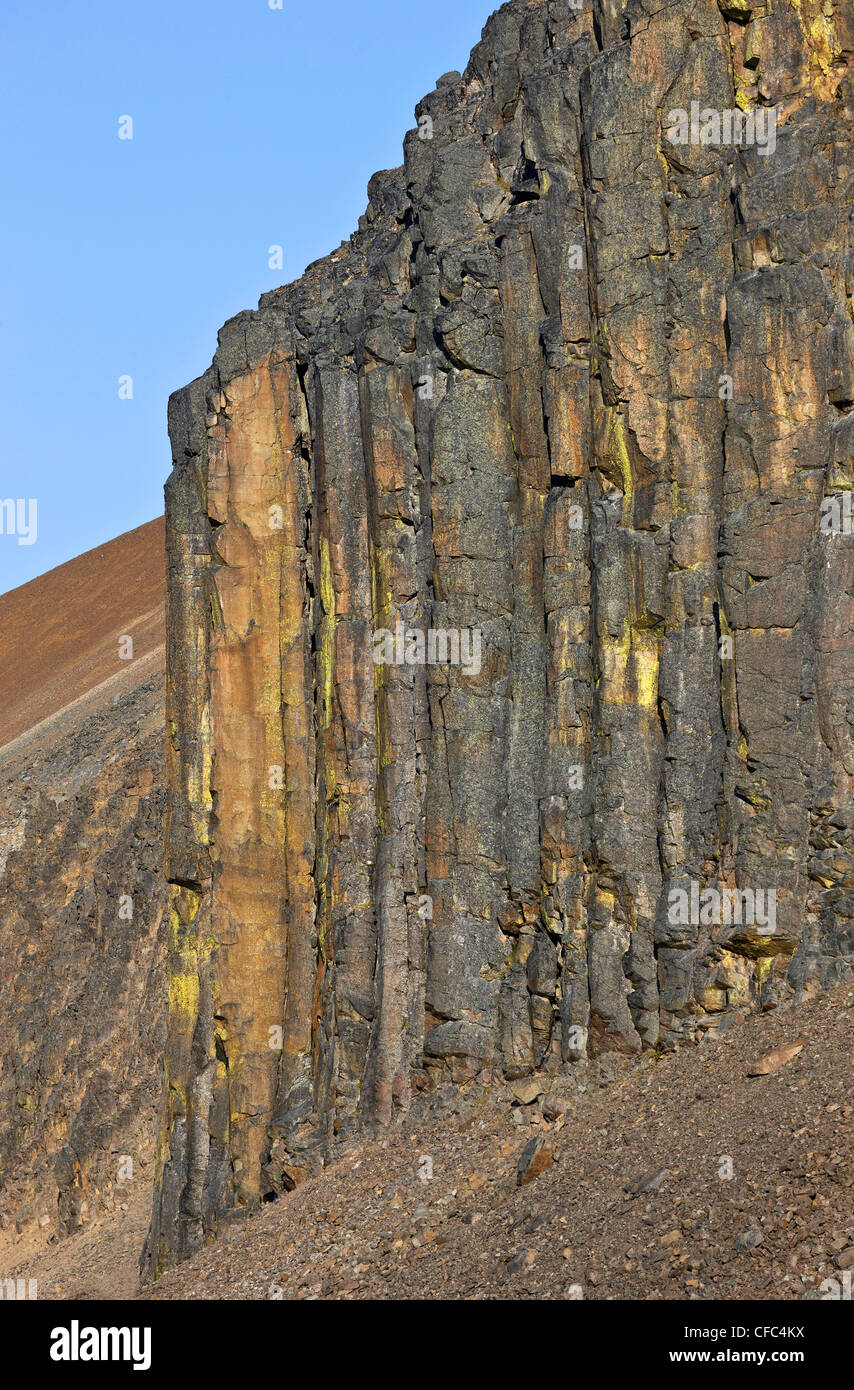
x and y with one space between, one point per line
579 386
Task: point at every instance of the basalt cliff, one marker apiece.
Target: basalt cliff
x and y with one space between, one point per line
574 402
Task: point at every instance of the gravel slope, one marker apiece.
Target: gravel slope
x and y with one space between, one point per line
368 1227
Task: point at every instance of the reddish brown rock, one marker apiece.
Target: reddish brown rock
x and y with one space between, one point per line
535 1158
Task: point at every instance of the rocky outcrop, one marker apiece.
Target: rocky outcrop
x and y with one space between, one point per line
509 610
83 917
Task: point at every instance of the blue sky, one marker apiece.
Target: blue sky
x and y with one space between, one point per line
252 127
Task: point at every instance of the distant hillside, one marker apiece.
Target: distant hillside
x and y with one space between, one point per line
59 634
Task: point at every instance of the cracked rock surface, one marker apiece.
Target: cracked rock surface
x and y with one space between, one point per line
578 398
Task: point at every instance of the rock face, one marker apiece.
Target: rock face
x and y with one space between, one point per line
565 412
83 916
83 901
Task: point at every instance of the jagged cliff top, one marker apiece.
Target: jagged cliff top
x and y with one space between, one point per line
468 103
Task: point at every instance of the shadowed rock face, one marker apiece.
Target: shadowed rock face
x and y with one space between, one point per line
83 916
83 902
571 397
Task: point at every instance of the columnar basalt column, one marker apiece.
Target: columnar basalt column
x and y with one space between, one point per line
576 400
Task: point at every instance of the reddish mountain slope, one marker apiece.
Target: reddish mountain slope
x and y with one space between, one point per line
83 899
59 634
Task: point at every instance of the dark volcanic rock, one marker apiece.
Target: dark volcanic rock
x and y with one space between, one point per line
573 397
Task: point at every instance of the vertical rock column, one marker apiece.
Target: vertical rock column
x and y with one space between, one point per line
574 395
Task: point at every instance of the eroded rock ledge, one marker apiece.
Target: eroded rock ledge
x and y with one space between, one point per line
582 390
